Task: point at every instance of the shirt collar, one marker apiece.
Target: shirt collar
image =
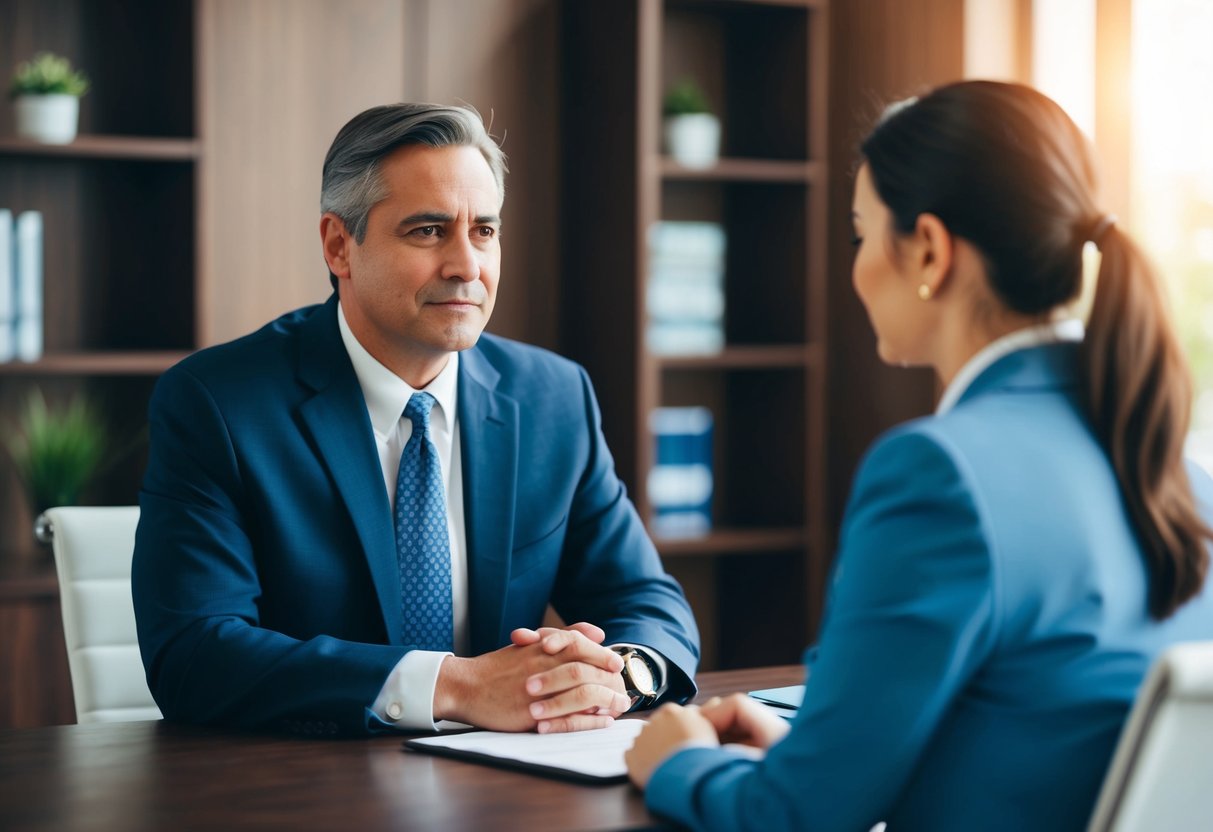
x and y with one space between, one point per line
1068 329
386 393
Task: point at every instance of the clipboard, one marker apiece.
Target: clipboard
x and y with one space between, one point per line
588 757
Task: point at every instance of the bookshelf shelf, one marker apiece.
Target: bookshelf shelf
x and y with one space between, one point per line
135 148
746 357
96 364
745 170
733 541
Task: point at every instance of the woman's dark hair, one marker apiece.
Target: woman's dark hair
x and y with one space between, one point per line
1005 168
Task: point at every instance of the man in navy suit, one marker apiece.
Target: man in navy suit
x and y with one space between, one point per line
289 546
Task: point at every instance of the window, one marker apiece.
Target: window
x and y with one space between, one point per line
1171 176
1165 162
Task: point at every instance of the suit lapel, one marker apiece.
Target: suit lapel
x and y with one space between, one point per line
488 431
336 416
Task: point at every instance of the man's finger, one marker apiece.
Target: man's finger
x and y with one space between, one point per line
524 636
575 722
568 676
573 646
578 700
593 632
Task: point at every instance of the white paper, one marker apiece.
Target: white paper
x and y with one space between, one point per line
596 753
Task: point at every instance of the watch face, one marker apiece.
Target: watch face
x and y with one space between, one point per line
642 677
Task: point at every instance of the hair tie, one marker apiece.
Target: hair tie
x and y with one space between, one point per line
1101 228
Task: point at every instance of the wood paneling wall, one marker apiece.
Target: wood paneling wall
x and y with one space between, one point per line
881 50
277 79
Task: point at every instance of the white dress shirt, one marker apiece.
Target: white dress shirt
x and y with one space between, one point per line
1068 329
407 697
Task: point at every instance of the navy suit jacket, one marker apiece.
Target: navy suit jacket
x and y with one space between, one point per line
265 581
985 636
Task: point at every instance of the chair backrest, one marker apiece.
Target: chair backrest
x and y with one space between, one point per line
93 550
1161 776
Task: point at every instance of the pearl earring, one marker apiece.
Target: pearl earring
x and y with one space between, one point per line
924 292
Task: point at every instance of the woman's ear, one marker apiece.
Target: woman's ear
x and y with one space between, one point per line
933 253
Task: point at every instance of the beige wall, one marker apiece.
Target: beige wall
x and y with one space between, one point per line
277 80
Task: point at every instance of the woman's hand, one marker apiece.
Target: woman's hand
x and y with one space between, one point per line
740 719
671 728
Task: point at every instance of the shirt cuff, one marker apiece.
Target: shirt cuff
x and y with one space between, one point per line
407 698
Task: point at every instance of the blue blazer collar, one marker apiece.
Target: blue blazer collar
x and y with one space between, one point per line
1045 367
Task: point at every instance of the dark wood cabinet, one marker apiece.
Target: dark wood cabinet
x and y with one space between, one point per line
35 686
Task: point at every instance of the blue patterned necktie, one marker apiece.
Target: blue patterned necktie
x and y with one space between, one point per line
422 544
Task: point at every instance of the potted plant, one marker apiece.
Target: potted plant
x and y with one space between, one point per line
692 132
46 98
56 451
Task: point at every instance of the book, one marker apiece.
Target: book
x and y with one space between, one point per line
684 292
8 289
29 285
680 484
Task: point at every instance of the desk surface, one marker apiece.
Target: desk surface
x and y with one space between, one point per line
134 776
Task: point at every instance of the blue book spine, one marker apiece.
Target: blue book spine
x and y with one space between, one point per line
680 484
29 285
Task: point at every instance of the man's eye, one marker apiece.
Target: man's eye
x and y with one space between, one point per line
487 231
426 231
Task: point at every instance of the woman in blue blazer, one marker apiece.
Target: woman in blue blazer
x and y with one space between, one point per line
1009 567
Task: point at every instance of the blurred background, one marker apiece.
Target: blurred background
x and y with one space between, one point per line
707 292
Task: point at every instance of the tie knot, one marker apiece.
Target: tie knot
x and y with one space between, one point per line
418 411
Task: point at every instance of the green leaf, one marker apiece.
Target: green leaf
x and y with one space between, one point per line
48 74
56 451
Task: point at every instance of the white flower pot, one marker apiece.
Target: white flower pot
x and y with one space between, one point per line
693 140
47 118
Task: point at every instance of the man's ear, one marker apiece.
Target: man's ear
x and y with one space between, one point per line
933 252
337 243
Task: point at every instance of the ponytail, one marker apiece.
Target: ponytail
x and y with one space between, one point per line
1139 396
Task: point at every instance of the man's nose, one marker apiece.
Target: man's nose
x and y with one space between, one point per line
461 261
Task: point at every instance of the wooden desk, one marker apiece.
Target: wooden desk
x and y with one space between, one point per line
134 776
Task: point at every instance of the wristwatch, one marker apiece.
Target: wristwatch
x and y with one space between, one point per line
638 678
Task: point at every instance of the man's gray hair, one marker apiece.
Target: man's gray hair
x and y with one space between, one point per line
352 182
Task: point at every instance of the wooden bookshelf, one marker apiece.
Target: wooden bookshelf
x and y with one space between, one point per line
766 555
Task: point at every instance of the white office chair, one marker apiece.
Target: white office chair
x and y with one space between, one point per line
93 550
1161 776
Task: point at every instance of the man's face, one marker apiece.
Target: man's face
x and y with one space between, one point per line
423 281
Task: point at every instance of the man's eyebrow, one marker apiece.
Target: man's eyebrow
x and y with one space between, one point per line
438 218
426 217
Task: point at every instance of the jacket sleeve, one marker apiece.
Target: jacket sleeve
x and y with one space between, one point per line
611 574
908 622
196 587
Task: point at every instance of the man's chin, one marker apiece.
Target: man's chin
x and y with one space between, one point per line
459 338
